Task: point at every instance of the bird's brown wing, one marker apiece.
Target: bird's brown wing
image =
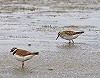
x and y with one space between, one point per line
23 52
70 32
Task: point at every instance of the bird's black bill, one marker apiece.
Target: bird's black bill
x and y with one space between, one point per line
57 37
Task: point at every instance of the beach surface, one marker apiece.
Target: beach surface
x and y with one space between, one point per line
38 23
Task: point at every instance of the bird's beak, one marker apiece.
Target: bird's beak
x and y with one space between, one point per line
57 37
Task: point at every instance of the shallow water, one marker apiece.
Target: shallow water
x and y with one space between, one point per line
57 58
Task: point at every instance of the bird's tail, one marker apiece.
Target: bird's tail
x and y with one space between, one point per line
34 53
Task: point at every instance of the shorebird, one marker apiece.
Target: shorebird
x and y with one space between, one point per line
69 35
22 55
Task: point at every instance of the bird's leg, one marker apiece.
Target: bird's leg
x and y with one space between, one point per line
72 41
22 64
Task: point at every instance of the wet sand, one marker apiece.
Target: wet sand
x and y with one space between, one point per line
57 59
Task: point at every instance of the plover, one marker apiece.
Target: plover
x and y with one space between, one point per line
22 55
69 35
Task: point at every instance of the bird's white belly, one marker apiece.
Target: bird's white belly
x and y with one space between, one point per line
23 58
70 37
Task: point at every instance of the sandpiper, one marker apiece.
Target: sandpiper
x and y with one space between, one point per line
69 35
22 55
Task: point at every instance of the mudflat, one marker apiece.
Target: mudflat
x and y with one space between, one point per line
38 23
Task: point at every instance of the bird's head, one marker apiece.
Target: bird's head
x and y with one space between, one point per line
13 49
